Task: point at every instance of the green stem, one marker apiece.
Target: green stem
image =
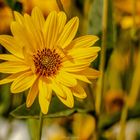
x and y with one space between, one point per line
60 5
103 56
134 20
121 135
133 93
40 125
13 15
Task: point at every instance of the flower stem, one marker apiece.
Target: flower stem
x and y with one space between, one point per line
121 135
133 93
40 125
60 5
103 56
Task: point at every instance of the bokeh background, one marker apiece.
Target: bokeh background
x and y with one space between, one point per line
121 75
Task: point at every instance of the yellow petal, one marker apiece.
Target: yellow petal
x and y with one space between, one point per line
10 57
76 66
46 87
61 21
22 36
44 92
11 45
79 64
69 101
90 73
66 79
68 33
32 94
79 53
50 29
83 42
38 21
23 82
18 17
10 78
79 92
13 67
38 18
80 77
58 90
33 33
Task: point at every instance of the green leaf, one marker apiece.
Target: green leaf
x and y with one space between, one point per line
15 5
18 7
10 3
111 29
95 21
56 109
107 121
4 98
95 17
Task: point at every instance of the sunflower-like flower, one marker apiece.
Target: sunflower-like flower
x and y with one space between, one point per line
45 59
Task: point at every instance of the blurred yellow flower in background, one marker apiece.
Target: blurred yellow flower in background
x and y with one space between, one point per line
127 5
124 13
127 21
83 126
45 5
5 17
114 101
45 58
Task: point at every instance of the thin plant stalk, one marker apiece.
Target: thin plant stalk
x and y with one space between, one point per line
103 56
60 5
124 114
40 126
134 86
135 81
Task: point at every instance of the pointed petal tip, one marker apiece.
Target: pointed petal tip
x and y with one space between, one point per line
13 90
36 10
28 104
95 38
76 20
44 110
97 48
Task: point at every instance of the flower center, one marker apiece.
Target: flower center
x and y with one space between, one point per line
47 62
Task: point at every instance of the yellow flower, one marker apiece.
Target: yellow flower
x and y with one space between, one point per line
45 58
83 126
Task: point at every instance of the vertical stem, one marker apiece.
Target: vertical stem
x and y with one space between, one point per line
134 86
134 19
13 14
40 126
121 135
60 5
102 59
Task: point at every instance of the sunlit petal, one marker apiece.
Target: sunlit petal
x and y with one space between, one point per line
32 94
44 92
68 33
23 82
13 67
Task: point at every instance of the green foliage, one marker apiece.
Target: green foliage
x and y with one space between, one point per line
95 17
56 109
4 99
106 121
95 21
15 5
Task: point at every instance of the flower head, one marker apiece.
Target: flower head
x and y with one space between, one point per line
45 58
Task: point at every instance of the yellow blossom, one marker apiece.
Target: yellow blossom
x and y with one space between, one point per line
45 58
5 18
83 126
